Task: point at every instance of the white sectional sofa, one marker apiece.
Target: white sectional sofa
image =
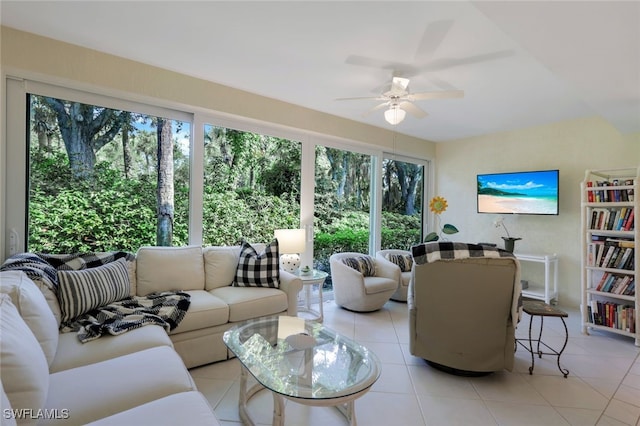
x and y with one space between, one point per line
138 377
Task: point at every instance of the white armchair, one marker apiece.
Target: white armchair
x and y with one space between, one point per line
403 270
362 290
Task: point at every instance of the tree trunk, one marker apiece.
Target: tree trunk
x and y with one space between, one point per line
85 129
164 234
126 149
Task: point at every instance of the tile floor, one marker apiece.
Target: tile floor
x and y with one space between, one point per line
603 386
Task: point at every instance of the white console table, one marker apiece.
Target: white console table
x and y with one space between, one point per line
550 290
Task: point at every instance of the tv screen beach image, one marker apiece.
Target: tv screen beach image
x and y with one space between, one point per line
519 192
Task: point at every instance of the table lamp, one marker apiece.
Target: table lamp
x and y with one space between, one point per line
291 242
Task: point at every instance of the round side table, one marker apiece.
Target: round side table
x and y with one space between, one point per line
308 281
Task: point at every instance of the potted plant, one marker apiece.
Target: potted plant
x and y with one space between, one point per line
305 270
509 241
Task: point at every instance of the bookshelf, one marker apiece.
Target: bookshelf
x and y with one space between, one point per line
609 204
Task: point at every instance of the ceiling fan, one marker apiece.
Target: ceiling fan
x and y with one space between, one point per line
398 100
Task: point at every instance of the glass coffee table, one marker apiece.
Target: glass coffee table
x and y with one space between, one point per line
302 361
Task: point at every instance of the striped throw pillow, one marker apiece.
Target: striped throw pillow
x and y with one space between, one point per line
82 291
404 261
363 264
258 270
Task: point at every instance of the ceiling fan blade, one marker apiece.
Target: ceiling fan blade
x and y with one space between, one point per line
398 68
443 94
445 63
376 108
433 36
413 109
375 98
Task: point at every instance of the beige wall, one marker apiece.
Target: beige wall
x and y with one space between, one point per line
21 51
570 146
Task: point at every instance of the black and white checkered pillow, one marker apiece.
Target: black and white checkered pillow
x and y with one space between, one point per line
258 270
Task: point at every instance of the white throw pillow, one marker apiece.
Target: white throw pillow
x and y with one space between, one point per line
220 263
82 291
33 309
169 269
24 372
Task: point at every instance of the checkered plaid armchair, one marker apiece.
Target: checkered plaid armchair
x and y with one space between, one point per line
360 282
464 304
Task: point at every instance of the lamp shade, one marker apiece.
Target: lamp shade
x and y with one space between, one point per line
290 240
394 115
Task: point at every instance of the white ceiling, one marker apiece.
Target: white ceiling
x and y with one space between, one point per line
543 61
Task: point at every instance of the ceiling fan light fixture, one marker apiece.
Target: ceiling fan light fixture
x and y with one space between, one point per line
394 115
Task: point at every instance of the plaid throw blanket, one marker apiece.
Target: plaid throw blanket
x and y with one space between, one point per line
166 309
34 266
45 267
432 252
436 251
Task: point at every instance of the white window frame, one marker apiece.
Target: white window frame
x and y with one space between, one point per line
14 161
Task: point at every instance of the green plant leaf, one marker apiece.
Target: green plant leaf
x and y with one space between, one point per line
431 236
449 229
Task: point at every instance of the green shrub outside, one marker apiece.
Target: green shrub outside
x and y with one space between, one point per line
115 213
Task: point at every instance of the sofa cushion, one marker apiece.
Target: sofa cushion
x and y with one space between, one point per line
98 390
363 264
374 285
252 302
404 261
7 420
73 353
220 264
258 270
25 372
184 408
87 289
169 269
33 309
205 310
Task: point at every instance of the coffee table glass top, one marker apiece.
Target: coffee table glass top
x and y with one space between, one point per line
302 359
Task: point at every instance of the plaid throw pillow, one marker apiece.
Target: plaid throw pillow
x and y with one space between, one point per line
404 261
362 264
258 270
81 291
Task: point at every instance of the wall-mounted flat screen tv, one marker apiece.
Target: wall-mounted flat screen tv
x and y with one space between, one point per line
534 192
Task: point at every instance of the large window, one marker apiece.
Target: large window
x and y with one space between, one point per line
342 204
105 179
103 173
251 186
402 201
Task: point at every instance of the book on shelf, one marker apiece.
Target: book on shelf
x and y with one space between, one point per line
607 257
629 223
624 259
606 191
590 196
613 315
